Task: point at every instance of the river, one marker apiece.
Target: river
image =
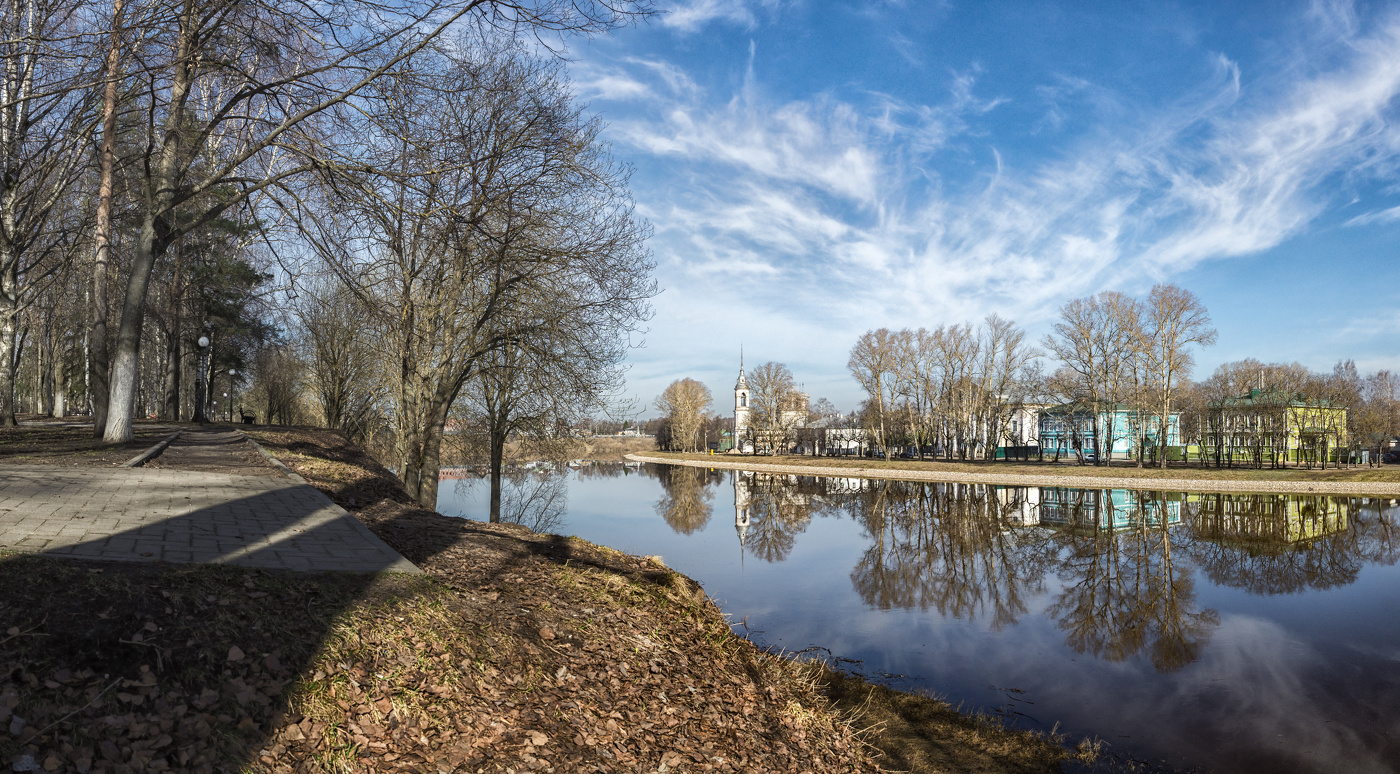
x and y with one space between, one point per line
1251 633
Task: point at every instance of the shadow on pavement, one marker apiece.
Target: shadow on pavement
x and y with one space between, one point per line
161 665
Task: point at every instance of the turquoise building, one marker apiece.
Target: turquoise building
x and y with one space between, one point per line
1074 428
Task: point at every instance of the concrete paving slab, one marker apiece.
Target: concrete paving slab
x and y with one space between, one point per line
148 514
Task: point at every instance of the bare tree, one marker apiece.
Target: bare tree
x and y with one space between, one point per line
1003 379
775 407
684 402
541 387
1175 320
477 213
341 359
874 363
245 80
1377 419
1098 339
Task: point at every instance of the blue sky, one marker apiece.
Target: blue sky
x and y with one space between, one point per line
814 170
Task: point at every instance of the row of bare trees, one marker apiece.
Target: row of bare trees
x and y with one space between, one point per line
386 214
1125 360
956 389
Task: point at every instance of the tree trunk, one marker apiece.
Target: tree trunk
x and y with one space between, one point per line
44 366
125 367
60 381
423 464
9 343
98 375
172 372
498 453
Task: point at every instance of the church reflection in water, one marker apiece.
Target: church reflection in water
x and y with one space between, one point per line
1120 565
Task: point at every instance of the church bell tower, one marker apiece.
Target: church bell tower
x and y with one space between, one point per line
741 406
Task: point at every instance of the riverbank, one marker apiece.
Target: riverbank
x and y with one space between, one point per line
514 651
635 603
1369 482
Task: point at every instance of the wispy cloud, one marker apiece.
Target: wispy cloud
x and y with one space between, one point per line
1389 215
691 16
845 202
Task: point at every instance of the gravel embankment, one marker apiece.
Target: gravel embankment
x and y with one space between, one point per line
1364 488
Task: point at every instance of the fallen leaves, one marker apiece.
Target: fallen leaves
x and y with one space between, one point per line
519 651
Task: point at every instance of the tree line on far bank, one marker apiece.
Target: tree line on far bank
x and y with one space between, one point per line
1123 365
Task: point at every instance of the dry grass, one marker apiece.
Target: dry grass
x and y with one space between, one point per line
915 732
50 442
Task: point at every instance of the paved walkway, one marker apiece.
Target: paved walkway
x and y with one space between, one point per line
173 515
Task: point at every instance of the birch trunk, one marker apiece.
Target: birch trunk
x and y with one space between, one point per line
98 376
160 196
9 331
60 381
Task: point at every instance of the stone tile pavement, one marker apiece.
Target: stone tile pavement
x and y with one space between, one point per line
144 514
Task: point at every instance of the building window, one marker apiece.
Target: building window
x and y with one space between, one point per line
743 400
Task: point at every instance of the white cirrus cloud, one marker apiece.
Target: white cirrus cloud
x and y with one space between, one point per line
690 17
846 198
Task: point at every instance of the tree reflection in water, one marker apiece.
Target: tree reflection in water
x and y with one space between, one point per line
1126 561
770 511
537 498
947 546
685 504
1282 544
1123 591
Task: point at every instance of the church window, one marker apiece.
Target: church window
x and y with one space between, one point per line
743 400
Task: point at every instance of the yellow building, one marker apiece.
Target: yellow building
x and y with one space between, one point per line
1272 427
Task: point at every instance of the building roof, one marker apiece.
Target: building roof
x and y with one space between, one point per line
1257 397
1084 407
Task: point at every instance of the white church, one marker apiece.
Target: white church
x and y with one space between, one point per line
793 415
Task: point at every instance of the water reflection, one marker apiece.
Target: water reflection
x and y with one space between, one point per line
1119 567
686 500
1251 633
770 511
536 497
1125 560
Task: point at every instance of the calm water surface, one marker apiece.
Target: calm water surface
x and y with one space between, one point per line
1230 633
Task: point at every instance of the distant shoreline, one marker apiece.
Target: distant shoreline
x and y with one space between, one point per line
1292 486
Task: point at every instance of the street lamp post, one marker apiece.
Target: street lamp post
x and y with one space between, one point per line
232 388
200 387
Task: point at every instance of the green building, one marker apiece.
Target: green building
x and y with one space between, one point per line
1273 427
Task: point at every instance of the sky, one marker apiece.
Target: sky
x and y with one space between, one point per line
814 170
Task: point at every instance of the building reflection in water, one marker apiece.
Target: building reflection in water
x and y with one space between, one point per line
770 511
1125 560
